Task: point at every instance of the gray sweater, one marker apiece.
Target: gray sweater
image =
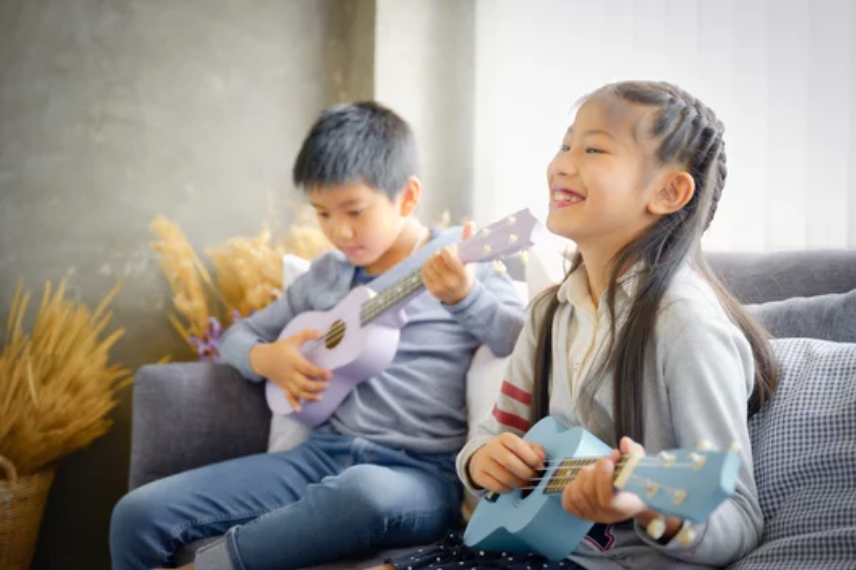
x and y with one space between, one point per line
419 402
696 388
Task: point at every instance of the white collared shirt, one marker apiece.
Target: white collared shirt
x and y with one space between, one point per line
589 327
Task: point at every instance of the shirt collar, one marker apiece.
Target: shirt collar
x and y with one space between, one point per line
575 289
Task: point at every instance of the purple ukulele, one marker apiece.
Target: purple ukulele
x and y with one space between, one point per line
363 329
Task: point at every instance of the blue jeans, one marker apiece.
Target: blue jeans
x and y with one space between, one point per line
328 498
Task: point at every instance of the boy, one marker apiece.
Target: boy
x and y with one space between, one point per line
380 472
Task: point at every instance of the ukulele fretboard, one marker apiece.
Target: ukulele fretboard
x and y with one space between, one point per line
390 297
568 469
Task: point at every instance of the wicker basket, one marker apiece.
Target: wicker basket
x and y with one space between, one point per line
22 503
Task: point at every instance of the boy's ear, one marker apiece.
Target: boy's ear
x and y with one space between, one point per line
676 190
409 196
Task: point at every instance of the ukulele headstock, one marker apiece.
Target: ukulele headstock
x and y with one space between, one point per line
688 484
510 235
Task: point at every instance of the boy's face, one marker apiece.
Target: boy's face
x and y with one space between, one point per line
360 221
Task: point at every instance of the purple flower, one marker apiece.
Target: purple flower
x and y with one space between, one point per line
208 347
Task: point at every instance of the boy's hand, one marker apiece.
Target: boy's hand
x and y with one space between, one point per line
592 496
282 363
506 462
446 276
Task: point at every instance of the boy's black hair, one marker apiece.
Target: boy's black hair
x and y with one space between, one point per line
358 142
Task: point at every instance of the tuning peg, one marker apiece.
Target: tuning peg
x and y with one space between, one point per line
524 257
485 231
697 460
734 447
704 445
687 534
512 238
667 458
656 528
652 489
678 496
511 220
499 267
486 249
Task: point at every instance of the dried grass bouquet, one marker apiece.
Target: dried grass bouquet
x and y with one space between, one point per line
57 383
248 277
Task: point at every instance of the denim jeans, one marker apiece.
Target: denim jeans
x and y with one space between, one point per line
328 498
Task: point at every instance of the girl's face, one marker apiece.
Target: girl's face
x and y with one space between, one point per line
601 179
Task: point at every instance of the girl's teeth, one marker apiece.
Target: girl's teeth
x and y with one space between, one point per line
566 197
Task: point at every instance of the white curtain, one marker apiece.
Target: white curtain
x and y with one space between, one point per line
781 74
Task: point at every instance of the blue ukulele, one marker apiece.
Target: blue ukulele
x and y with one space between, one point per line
679 483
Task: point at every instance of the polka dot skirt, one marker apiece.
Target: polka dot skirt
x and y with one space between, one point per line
451 553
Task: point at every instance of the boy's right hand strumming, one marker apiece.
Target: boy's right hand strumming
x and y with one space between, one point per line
282 363
506 462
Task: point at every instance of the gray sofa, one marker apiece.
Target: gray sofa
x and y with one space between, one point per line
193 414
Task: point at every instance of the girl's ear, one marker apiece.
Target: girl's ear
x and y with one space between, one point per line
409 196
675 192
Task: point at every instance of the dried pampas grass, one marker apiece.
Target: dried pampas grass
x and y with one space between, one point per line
249 273
248 277
187 277
57 384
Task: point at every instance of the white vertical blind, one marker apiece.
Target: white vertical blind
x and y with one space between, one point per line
780 74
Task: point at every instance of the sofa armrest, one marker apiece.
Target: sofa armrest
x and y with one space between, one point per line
187 415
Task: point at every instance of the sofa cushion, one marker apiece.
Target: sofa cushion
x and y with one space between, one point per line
804 447
828 317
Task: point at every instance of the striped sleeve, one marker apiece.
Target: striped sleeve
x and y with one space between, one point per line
512 411
512 408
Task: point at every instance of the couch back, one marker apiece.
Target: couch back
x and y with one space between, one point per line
756 277
773 276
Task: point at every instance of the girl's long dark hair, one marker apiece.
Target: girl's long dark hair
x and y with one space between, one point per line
689 134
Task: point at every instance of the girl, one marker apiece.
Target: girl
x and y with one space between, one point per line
639 342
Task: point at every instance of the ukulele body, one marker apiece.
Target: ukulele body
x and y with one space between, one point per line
352 352
683 483
535 521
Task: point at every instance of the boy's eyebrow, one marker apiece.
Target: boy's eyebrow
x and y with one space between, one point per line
345 204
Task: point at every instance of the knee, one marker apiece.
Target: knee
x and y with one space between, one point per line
362 487
357 495
399 507
134 517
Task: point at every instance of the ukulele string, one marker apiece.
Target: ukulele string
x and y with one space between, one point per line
574 471
390 298
315 343
642 481
339 326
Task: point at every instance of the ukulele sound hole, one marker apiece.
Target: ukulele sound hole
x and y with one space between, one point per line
527 490
335 335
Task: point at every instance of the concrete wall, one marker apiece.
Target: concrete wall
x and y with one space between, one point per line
114 112
424 68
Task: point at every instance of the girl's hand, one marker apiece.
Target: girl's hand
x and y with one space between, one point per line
446 276
591 495
506 462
